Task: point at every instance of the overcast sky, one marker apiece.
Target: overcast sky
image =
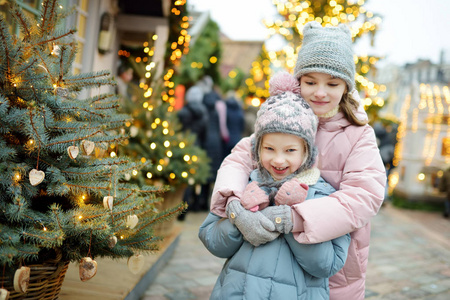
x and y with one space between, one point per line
411 29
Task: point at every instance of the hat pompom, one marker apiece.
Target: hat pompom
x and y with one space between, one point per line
283 82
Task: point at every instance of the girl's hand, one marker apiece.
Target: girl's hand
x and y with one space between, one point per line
280 216
291 192
253 196
254 226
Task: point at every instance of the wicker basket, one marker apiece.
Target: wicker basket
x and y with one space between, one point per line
45 280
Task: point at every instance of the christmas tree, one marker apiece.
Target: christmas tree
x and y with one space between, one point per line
203 57
156 135
56 195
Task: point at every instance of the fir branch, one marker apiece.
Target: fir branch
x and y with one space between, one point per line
24 24
49 16
73 140
55 210
84 109
149 239
30 235
165 215
37 136
91 76
26 68
5 37
45 65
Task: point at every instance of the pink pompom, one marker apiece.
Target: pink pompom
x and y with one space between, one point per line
283 82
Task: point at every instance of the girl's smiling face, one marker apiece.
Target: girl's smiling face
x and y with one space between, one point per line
282 154
322 91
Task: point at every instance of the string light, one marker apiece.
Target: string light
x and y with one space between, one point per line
17 176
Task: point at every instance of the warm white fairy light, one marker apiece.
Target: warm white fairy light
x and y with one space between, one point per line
17 176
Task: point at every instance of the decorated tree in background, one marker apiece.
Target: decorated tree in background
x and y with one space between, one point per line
294 14
155 133
257 84
58 195
203 57
235 79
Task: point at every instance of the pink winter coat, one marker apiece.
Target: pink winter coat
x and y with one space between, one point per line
349 160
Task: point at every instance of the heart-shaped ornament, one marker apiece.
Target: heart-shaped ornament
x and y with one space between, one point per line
108 202
87 146
135 263
87 268
22 279
73 151
4 294
127 176
112 241
134 131
132 221
36 177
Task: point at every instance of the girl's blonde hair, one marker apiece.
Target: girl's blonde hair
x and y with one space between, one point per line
348 106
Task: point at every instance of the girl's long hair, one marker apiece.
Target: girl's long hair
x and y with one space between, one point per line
348 106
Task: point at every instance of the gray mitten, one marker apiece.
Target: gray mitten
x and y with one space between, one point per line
254 226
280 216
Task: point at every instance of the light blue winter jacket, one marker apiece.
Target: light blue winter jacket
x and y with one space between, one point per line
279 270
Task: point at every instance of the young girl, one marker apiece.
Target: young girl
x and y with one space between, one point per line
348 159
283 173
283 268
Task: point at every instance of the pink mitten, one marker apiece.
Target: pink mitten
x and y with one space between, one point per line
254 196
291 192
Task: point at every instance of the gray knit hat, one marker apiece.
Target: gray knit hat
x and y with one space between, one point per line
327 50
285 111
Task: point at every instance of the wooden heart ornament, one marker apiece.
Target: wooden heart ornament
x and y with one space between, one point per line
87 268
87 146
108 202
4 294
22 279
135 263
112 241
132 221
36 177
73 151
134 131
